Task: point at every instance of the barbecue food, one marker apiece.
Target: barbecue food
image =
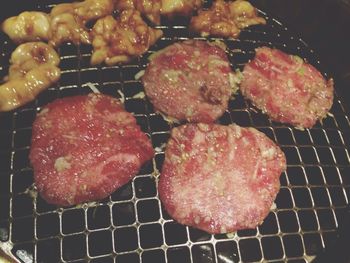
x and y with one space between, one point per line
68 22
287 88
180 7
88 10
220 178
116 41
19 91
84 148
65 23
189 81
67 28
149 8
27 26
33 69
153 9
30 55
225 19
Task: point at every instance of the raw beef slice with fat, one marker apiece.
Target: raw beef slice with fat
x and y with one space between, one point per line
286 88
84 148
220 178
190 80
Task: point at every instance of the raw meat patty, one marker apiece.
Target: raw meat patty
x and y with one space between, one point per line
189 81
84 148
286 88
220 178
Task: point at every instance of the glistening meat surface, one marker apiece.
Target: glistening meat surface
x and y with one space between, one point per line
84 148
190 81
287 88
220 178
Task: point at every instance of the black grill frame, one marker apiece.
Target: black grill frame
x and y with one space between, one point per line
314 195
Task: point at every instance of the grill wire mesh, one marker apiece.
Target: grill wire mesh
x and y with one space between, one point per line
131 225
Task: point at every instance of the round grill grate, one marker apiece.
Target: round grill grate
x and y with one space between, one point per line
131 225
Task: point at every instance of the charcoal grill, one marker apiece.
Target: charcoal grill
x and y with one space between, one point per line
131 225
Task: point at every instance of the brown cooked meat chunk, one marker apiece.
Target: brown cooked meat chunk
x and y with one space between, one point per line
120 40
225 19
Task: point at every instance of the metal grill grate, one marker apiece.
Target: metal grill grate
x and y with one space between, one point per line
130 225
